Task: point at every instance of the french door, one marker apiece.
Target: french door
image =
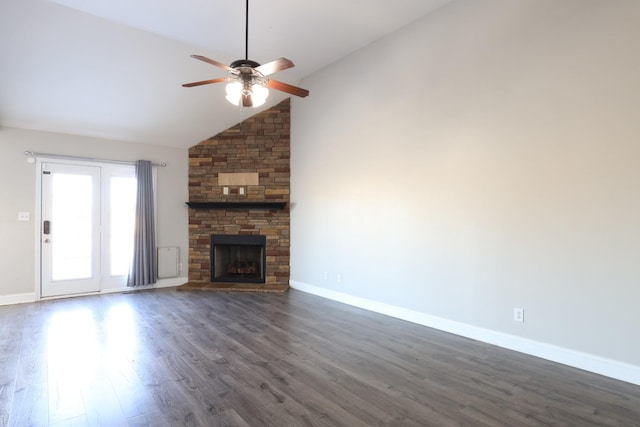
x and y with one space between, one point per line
87 225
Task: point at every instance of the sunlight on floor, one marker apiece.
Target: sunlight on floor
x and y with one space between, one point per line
121 331
85 356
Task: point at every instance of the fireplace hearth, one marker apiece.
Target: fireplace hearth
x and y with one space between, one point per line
238 258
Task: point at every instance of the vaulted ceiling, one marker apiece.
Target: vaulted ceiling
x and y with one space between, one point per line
114 68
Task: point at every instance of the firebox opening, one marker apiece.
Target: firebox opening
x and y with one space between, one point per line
238 258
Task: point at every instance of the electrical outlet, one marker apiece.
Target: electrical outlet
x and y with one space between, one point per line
225 191
325 275
180 266
339 278
518 314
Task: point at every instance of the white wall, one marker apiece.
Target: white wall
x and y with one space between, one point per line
17 190
484 158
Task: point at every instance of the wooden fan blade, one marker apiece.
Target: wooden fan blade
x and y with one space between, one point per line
247 101
275 66
284 87
212 62
204 82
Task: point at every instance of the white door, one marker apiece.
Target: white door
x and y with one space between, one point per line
70 229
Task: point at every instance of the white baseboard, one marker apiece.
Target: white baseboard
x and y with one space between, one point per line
588 362
168 283
17 298
31 297
161 283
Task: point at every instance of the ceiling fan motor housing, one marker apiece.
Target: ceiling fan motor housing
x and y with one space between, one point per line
246 73
238 63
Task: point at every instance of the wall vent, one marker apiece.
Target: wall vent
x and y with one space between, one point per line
168 262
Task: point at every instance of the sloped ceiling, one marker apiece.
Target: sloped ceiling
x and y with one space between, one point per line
114 68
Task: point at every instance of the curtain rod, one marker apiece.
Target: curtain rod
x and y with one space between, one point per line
61 156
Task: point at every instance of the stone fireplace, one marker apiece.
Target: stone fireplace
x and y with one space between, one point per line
239 186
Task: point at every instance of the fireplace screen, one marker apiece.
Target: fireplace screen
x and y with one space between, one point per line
238 258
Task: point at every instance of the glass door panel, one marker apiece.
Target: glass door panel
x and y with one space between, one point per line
118 213
70 233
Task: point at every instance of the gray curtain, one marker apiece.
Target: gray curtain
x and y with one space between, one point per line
144 264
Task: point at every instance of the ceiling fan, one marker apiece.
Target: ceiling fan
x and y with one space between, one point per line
248 82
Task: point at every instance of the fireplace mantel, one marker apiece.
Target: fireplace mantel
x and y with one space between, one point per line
237 205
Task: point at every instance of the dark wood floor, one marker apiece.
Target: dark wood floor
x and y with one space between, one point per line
167 358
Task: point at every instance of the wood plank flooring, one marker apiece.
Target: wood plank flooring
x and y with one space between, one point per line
167 358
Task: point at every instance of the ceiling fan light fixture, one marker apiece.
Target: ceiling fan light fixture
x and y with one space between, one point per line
236 89
234 92
259 94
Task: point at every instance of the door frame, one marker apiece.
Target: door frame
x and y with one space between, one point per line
39 219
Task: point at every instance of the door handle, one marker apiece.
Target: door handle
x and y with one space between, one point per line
46 227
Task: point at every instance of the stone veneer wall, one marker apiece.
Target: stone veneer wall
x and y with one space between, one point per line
259 144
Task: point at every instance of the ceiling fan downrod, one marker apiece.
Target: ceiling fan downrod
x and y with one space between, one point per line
246 62
246 32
